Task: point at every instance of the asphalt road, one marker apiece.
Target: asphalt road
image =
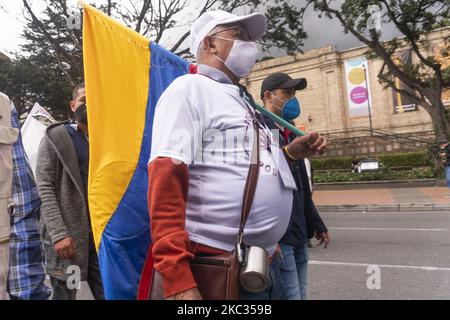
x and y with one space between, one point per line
410 249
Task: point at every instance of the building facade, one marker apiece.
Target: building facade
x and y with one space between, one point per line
334 99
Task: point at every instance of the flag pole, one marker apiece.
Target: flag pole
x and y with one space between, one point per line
279 120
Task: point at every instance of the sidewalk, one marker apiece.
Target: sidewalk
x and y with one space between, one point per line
396 199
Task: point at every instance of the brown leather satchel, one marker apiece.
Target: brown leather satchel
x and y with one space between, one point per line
217 276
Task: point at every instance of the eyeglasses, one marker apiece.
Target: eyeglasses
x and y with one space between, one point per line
239 33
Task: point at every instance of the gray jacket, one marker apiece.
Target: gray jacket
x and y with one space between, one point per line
64 208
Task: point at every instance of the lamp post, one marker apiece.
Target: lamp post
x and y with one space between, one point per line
368 99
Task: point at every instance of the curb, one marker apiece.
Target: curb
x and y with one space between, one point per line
384 184
430 207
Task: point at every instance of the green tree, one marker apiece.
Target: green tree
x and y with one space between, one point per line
35 78
51 42
428 77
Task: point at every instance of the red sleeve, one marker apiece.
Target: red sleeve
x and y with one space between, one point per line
167 196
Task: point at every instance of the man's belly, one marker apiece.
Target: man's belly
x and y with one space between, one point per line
215 202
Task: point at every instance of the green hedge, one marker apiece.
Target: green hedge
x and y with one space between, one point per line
332 163
413 159
416 173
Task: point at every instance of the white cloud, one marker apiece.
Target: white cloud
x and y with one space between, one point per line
11 26
12 22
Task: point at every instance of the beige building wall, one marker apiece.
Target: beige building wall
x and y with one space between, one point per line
324 101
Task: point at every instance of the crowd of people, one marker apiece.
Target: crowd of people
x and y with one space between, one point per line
189 205
195 197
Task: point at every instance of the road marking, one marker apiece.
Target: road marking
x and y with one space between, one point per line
388 229
374 264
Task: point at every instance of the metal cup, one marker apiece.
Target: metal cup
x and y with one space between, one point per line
254 274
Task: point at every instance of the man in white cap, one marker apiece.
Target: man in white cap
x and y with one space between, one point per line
200 159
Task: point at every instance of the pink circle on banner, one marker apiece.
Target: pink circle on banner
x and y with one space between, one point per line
358 95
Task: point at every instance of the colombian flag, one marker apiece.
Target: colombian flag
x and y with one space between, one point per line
125 75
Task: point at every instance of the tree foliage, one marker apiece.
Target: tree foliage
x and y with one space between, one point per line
57 48
428 76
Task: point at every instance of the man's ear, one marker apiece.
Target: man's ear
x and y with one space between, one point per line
208 45
72 105
267 96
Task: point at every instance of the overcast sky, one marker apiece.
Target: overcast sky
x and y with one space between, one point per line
322 32
10 26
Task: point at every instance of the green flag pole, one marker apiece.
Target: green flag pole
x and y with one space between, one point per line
279 120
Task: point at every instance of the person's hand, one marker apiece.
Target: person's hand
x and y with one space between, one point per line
324 239
191 294
306 146
65 248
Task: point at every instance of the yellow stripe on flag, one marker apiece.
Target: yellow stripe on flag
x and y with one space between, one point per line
116 65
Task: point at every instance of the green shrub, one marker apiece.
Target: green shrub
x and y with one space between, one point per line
332 163
413 159
416 173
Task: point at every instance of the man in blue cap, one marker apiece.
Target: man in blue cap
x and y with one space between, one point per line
278 93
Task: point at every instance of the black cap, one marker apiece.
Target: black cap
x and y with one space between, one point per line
282 81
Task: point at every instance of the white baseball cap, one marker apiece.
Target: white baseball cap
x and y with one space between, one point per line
255 24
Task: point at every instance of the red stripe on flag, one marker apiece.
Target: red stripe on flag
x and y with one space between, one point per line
193 68
145 283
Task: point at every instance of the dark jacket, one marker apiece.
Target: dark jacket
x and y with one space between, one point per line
305 218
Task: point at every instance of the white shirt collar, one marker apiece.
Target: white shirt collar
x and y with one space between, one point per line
213 73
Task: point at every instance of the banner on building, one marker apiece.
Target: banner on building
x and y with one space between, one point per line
358 87
401 102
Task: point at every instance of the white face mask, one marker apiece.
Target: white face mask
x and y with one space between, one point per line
242 57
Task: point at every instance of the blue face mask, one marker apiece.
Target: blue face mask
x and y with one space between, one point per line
291 108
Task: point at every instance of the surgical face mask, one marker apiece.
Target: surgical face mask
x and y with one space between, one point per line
81 114
291 108
242 57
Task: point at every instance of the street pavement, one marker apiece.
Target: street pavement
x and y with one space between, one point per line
411 250
383 196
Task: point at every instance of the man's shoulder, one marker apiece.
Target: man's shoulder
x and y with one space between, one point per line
57 130
57 126
188 81
4 99
56 139
188 86
4 96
